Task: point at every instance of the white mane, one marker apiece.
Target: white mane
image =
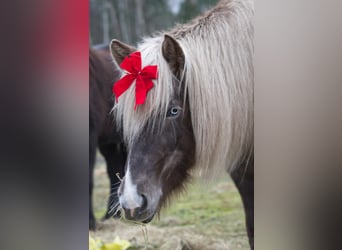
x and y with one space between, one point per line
218 49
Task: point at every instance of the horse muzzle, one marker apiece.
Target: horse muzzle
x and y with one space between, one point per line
137 211
138 199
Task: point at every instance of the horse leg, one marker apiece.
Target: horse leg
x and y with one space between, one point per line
115 156
243 178
92 157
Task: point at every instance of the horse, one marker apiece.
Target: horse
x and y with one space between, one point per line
197 114
102 133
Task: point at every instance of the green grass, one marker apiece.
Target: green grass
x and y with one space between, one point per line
215 209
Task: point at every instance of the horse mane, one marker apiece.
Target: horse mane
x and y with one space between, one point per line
218 80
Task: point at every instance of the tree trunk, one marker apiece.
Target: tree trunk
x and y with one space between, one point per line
124 22
114 21
140 25
105 25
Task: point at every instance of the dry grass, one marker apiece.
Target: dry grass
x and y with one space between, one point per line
205 218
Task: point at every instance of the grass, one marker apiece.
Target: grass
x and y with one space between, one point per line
214 211
205 213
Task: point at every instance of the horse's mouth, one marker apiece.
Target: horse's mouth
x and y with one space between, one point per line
139 217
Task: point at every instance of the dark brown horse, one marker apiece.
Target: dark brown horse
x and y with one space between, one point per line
102 132
199 112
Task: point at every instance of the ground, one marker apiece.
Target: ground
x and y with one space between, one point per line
206 217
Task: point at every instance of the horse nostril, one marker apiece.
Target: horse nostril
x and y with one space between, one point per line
144 203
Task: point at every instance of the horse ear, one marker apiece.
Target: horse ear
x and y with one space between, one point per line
173 54
120 50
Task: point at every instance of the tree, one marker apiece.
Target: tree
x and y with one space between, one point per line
130 20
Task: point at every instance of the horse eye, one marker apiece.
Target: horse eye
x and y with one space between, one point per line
173 111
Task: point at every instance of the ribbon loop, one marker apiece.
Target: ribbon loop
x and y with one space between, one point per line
143 78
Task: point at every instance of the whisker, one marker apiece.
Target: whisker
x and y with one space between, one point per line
117 210
118 175
116 183
115 207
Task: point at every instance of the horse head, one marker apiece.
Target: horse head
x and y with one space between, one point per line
163 150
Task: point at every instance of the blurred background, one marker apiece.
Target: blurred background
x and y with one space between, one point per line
129 20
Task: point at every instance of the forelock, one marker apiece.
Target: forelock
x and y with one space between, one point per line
153 112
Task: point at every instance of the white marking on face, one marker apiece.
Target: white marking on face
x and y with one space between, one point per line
130 197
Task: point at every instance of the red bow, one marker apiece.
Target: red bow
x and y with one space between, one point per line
143 77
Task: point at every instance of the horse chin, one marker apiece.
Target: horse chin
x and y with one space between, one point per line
149 219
